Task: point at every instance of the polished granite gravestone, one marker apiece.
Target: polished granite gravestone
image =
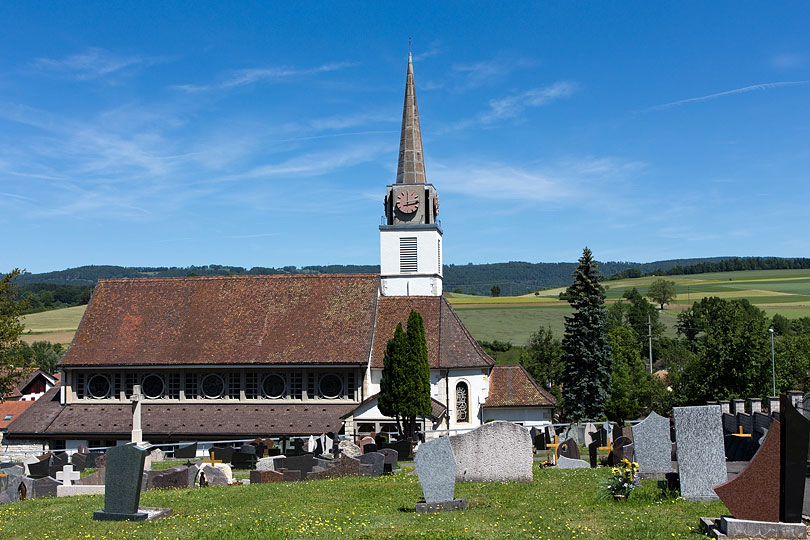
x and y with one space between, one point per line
265 477
270 463
622 431
222 453
593 453
566 463
494 452
122 491
754 493
436 468
794 437
701 455
41 468
601 436
174 478
652 446
403 448
79 461
730 424
188 451
343 466
623 448
376 460
10 489
568 448
45 487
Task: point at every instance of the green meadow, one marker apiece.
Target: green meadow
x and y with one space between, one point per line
557 504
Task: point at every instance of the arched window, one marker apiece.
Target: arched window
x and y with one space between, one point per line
462 402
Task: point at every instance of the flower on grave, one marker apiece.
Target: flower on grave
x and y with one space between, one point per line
624 479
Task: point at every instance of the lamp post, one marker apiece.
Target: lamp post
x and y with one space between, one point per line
773 364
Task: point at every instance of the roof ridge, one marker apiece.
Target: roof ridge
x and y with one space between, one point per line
233 277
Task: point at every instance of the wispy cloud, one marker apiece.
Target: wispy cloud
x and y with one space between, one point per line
243 77
435 49
93 63
487 72
787 60
743 90
512 106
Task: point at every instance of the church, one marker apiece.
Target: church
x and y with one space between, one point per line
238 357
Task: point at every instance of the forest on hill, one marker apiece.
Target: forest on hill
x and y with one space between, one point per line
513 278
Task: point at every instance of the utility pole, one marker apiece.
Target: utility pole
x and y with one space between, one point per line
650 336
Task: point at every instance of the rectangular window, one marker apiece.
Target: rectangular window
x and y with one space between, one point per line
191 385
407 254
351 385
296 385
79 386
116 385
311 393
233 384
251 385
131 380
439 255
173 386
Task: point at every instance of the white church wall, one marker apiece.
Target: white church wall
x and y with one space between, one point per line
526 416
427 279
477 381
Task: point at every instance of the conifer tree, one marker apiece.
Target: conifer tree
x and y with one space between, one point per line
405 384
586 351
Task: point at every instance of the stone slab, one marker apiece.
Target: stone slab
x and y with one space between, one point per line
446 506
436 467
269 463
174 478
740 528
350 449
495 452
653 448
568 463
71 491
44 487
375 459
265 477
124 479
569 448
753 494
343 466
214 476
701 454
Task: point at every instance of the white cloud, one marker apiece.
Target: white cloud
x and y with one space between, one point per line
743 90
787 61
512 106
243 77
93 63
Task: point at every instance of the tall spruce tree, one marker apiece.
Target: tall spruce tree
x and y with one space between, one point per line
586 351
405 385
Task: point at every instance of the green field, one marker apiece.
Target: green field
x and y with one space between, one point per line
786 292
56 326
557 504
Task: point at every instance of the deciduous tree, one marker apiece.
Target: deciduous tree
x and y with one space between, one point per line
661 291
10 329
543 360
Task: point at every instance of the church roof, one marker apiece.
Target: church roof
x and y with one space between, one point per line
449 343
411 164
513 386
276 320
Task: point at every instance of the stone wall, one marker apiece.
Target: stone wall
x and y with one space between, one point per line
19 449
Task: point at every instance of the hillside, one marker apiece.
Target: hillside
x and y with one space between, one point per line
514 278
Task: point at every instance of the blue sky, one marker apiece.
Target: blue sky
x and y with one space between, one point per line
264 134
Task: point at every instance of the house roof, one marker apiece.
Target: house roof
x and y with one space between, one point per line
34 375
277 320
437 408
13 409
513 386
38 416
449 343
194 420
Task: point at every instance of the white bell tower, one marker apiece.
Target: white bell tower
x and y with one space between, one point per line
411 239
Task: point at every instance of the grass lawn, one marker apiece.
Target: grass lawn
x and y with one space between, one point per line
558 504
56 326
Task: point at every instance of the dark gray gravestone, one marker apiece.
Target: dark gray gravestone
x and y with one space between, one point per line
795 437
122 491
94 459
79 461
376 460
175 478
390 463
222 453
40 469
729 423
45 487
303 463
436 468
569 449
623 448
745 422
188 451
601 436
593 453
58 461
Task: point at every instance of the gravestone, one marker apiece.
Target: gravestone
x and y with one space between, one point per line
211 475
79 461
593 453
303 463
222 453
794 440
157 455
297 447
95 459
623 448
10 489
58 461
403 448
729 423
270 463
390 462
98 478
45 487
436 468
601 436
494 452
622 431
188 451
590 433
701 455
349 448
122 488
265 477
174 478
746 422
370 447
652 446
40 469
376 460
343 466
568 448
566 463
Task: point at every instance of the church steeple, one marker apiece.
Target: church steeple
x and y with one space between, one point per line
411 238
411 165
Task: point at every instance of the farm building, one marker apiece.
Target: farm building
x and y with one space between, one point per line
244 356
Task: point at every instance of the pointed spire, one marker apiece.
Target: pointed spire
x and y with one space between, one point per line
411 166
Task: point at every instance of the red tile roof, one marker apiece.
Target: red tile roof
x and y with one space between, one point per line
316 319
13 408
513 386
449 343
38 416
198 420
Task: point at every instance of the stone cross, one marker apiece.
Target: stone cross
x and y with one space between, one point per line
67 475
137 432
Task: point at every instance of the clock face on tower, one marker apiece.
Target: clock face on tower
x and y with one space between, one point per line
407 201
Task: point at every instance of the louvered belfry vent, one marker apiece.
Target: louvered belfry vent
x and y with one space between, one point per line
407 254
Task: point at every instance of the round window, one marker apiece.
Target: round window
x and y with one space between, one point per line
274 386
331 386
212 386
98 386
152 386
